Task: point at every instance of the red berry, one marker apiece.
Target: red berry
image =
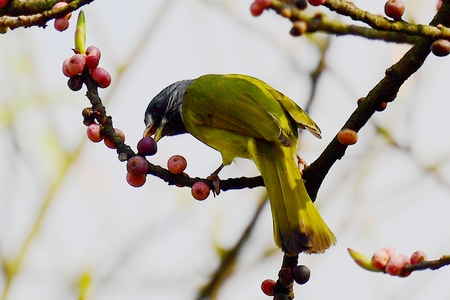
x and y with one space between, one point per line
316 2
102 77
301 274
92 57
147 146
418 257
256 9
110 143
76 64
396 263
267 286
61 24
394 9
3 3
440 47
65 68
92 50
347 136
136 181
176 164
137 166
200 190
75 83
94 132
380 259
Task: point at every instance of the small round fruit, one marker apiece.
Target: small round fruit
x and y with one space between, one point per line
61 24
92 57
136 181
137 166
94 132
301 274
76 64
75 83
380 259
147 146
3 3
440 47
110 143
299 28
418 257
394 9
264 3
102 77
200 190
267 286
396 263
176 164
256 9
65 68
347 136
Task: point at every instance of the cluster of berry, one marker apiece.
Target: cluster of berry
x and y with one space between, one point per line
73 66
300 274
387 260
137 168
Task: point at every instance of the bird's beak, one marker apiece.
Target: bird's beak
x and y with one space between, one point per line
154 129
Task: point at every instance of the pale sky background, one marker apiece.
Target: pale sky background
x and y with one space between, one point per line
156 242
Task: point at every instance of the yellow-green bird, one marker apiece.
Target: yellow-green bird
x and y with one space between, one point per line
241 116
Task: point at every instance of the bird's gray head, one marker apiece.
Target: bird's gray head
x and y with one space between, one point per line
163 114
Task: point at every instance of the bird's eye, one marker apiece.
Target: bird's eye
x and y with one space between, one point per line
157 107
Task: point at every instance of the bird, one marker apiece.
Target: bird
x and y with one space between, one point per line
243 117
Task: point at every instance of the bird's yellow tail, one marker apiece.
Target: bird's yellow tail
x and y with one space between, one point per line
298 226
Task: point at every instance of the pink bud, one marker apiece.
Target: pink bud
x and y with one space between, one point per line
396 263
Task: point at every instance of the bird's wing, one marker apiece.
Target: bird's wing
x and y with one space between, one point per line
299 115
237 105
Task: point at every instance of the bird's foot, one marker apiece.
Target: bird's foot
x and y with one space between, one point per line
302 165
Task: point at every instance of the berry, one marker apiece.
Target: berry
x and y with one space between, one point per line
256 9
61 24
110 143
200 190
65 68
347 136
440 47
94 132
316 2
75 64
267 286
137 166
418 257
147 146
136 181
380 259
394 9
3 3
75 83
299 28
396 263
102 77
92 57
176 164
301 274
